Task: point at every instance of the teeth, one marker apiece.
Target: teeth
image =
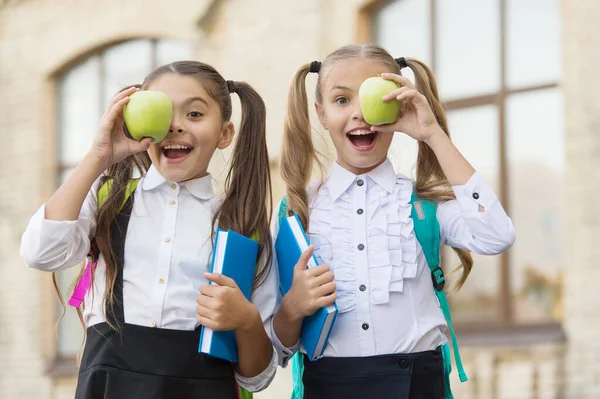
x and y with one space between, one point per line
361 132
176 147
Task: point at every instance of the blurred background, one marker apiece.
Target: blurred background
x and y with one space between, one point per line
519 80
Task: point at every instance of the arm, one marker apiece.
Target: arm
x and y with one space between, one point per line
456 168
224 307
476 220
58 235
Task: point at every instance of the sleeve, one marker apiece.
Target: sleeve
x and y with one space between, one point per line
476 220
51 245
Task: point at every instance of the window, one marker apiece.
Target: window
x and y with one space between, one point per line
83 94
497 63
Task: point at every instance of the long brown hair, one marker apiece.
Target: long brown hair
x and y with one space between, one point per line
299 154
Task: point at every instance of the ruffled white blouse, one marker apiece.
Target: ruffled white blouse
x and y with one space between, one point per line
361 227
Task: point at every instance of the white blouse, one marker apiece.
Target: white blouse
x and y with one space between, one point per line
167 250
361 227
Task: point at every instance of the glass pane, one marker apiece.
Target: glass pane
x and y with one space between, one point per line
125 64
78 99
533 40
460 51
402 27
70 331
536 162
168 51
474 131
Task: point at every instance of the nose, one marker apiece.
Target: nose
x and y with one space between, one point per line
357 112
175 126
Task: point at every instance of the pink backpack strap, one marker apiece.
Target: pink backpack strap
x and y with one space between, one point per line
84 284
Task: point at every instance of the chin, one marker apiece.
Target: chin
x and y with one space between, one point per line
364 163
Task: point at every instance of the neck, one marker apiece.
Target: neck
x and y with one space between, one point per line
359 171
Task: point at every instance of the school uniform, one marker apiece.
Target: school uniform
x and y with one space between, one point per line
388 333
162 242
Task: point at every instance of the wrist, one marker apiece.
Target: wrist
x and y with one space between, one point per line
251 320
288 309
437 135
94 162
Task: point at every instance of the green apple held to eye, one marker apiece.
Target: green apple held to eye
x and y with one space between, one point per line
148 114
376 111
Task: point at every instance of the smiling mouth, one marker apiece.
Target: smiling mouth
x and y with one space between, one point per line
176 151
362 139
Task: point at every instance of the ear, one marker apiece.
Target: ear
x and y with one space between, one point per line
321 114
226 137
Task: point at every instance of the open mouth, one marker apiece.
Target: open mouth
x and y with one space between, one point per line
176 152
362 139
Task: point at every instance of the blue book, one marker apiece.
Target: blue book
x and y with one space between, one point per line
291 242
234 256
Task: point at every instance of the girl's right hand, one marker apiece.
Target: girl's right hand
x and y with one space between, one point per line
111 144
311 289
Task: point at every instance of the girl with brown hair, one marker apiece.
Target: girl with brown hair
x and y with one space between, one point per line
149 292
388 336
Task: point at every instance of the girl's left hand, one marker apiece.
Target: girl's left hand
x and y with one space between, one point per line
223 307
417 119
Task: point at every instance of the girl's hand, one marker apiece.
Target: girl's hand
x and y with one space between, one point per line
223 307
417 119
311 288
111 144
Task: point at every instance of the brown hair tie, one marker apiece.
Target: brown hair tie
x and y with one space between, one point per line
231 86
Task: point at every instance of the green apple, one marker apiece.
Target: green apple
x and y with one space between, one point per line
148 114
374 109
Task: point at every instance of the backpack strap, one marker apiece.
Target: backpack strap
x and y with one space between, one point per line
297 358
427 230
104 191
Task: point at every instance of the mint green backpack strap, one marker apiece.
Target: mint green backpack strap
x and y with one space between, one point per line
297 359
427 230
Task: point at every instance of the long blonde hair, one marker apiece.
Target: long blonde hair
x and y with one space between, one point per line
299 153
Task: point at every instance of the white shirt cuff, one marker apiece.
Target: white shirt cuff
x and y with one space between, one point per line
283 353
260 381
476 192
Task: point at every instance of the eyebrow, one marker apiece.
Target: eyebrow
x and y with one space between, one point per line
192 99
340 87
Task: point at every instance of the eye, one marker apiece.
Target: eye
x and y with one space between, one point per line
342 100
194 114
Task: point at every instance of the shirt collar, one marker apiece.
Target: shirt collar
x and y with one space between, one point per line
340 179
200 188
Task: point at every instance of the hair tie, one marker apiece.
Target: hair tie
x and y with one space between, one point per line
231 86
315 67
402 62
